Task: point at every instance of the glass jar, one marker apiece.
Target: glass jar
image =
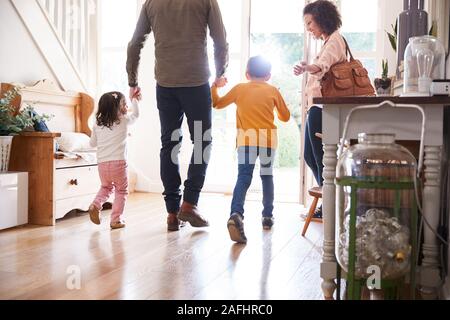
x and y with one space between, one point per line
376 208
424 61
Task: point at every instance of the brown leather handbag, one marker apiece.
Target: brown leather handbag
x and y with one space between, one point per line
348 78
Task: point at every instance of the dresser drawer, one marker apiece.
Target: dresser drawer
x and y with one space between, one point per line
74 182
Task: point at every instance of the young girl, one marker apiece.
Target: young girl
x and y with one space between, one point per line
109 135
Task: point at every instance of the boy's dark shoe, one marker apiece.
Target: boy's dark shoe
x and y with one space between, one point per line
189 213
267 223
235 227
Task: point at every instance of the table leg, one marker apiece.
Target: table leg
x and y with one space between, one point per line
429 270
328 264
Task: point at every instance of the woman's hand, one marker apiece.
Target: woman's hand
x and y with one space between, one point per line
304 67
299 69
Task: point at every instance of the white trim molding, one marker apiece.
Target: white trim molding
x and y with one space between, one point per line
438 12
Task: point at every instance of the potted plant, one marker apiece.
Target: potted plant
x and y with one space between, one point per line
383 84
13 121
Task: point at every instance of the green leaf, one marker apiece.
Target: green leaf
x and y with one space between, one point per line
392 40
385 70
393 36
433 29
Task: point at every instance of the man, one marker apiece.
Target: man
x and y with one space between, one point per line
182 74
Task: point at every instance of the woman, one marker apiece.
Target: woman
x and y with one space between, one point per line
323 21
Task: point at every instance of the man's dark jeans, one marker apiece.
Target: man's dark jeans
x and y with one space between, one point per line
173 104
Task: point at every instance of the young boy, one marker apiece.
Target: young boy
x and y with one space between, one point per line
256 137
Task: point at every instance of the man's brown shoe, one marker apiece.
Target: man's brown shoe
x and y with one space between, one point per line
173 224
189 213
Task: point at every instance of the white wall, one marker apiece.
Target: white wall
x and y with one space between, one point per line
145 142
20 59
389 11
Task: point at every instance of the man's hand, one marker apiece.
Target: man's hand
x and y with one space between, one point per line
135 92
220 82
138 96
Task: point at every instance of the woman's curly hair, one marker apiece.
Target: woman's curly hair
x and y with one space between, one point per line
325 14
108 109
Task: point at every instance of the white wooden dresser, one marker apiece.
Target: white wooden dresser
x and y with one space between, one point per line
13 199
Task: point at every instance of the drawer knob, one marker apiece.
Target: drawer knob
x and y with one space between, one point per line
73 182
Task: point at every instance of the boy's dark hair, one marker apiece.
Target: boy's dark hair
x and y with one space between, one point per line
325 14
108 109
259 67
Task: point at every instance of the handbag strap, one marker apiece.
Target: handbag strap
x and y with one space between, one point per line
347 48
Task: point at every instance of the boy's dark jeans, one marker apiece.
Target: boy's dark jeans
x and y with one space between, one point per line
173 104
247 156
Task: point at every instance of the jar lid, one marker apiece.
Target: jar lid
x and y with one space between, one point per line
381 138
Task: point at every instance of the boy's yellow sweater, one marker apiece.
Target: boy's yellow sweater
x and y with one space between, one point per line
255 104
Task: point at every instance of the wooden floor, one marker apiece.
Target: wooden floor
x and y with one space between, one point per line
144 261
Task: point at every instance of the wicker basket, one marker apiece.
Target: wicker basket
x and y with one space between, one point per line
5 150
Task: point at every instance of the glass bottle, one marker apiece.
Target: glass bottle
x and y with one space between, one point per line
412 22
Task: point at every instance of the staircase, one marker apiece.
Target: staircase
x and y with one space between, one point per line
66 33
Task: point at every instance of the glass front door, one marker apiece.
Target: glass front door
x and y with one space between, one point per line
274 29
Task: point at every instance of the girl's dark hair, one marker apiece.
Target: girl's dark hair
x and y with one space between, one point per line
325 14
108 109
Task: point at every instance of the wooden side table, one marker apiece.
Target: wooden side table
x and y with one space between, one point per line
405 123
